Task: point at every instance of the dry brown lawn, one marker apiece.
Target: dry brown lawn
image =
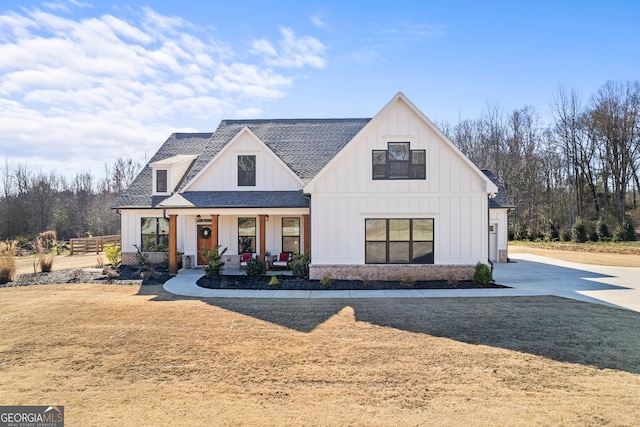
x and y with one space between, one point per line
24 265
138 356
618 255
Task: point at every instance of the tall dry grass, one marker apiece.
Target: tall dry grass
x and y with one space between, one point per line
7 261
45 243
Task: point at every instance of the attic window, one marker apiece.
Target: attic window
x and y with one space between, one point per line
246 171
399 161
161 181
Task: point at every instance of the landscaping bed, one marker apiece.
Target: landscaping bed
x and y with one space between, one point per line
293 283
121 276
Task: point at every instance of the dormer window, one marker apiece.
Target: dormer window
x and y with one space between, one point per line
161 180
399 161
247 171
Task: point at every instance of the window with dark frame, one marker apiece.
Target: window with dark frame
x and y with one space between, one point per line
154 234
246 235
291 235
398 161
247 171
399 241
161 181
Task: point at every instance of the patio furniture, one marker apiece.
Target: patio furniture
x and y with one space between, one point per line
283 260
244 257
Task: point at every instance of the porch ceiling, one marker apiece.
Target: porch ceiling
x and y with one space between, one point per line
236 199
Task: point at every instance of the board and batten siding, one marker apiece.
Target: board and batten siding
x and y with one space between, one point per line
222 175
453 193
131 227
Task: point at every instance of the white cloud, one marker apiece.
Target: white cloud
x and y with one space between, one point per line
76 93
294 52
318 21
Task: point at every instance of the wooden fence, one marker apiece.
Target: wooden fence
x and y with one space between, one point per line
92 244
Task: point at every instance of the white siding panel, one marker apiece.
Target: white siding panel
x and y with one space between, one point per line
222 175
453 194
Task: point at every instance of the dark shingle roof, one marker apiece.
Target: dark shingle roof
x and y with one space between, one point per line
304 145
237 199
501 200
139 192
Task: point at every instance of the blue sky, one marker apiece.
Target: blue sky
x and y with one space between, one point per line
83 82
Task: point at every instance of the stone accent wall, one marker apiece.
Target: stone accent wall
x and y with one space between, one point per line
503 255
155 258
392 272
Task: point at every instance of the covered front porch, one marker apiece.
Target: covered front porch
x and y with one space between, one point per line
264 233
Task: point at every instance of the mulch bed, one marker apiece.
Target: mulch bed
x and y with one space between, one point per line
125 276
292 283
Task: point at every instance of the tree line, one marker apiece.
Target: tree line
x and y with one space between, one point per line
33 201
582 168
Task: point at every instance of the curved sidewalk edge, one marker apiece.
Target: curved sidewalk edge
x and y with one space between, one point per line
184 284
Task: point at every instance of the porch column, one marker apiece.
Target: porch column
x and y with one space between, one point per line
306 227
173 244
214 231
263 242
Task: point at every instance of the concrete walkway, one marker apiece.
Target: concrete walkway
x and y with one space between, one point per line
529 275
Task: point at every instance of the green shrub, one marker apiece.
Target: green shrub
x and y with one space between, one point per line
112 253
325 281
142 258
299 265
452 279
274 281
482 274
578 231
7 261
553 234
213 261
625 232
602 230
408 281
254 267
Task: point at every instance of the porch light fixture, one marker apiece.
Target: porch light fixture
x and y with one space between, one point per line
266 217
198 218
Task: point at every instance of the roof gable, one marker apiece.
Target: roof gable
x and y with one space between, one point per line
244 142
489 185
303 145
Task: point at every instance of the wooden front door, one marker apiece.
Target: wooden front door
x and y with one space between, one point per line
204 242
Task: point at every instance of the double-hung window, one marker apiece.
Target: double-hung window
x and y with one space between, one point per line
399 161
246 235
399 241
291 235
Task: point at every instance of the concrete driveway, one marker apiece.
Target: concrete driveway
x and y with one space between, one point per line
538 275
528 275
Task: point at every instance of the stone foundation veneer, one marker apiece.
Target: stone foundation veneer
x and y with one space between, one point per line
392 272
503 256
155 258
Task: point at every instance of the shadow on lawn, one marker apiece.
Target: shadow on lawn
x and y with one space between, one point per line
553 327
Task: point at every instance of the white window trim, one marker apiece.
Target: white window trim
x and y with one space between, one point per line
154 184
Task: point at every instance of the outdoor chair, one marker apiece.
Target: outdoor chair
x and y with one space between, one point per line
283 259
244 257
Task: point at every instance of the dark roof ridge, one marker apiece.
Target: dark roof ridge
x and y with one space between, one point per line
309 120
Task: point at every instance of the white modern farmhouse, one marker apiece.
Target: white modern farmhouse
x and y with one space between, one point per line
381 198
